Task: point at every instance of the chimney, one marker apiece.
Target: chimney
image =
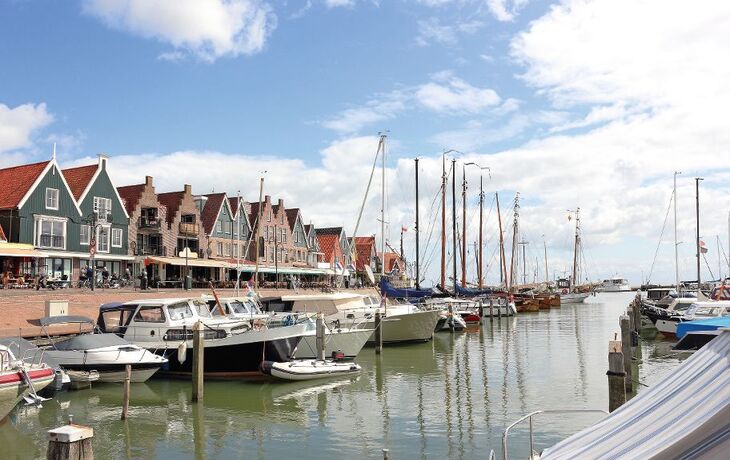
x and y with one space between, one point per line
281 203
102 160
148 180
267 199
187 189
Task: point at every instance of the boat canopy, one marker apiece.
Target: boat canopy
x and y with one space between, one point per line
91 341
470 292
685 415
65 319
387 289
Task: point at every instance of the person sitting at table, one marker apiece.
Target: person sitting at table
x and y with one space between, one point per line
6 279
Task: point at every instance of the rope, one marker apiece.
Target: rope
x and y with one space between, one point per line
661 236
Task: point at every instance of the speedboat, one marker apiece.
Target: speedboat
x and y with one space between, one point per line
698 310
233 348
347 341
19 380
615 284
106 353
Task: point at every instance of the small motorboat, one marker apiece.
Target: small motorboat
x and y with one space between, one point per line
20 380
309 369
443 322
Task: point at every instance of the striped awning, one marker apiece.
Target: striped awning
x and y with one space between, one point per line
685 415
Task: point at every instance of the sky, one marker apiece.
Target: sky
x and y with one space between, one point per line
590 104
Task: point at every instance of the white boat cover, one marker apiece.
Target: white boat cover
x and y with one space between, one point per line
687 415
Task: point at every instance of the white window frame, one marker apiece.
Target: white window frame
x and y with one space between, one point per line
220 227
51 207
117 232
219 248
38 226
107 205
108 240
86 241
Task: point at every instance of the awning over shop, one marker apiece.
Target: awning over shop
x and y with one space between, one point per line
85 255
190 262
19 250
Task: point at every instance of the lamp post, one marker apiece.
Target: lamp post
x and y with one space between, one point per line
93 228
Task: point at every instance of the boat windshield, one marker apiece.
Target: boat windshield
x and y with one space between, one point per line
201 308
245 307
178 311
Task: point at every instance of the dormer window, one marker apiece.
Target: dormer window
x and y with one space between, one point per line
52 199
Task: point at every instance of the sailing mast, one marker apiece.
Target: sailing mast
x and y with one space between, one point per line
443 222
697 211
463 228
502 258
258 234
453 215
576 248
547 275
382 210
676 243
418 273
481 225
515 236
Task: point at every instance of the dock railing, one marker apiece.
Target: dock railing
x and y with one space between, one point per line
505 435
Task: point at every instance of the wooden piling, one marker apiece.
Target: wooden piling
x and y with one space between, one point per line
70 442
320 337
491 309
625 324
198 360
616 375
385 454
127 381
481 309
636 309
378 334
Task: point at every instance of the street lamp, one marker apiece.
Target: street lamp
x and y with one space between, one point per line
481 214
93 220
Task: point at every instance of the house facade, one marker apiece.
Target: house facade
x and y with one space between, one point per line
336 252
300 250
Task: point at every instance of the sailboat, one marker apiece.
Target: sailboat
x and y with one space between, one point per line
569 289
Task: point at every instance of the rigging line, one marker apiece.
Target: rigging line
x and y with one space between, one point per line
367 189
704 257
661 235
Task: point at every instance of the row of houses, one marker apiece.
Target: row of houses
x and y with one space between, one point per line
53 219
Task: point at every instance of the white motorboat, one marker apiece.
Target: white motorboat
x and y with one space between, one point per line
698 310
233 348
346 341
19 380
615 284
107 354
309 369
443 324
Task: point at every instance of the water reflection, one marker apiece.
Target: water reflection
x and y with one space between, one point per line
450 398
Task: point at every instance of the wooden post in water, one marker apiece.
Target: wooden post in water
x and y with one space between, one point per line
625 324
320 337
491 309
198 360
636 309
616 375
70 442
127 380
385 454
481 309
378 334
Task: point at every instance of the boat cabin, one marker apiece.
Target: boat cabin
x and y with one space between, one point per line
656 294
708 309
563 283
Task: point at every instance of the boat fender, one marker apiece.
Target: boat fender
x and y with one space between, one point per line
182 352
266 367
338 355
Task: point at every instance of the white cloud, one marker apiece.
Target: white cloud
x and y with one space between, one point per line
208 29
505 10
431 30
18 124
444 94
339 3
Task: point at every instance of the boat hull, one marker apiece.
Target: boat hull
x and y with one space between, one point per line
574 297
667 327
116 373
412 327
110 363
13 388
309 369
349 342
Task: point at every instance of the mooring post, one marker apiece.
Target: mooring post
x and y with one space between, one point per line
625 323
70 442
320 337
385 454
499 311
481 309
198 360
127 381
491 309
378 334
636 310
616 375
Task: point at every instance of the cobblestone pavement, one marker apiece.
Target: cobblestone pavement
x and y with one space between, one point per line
20 310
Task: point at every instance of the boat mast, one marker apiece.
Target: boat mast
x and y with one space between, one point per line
481 226
697 215
676 243
502 258
453 215
544 246
463 228
258 234
443 222
576 248
382 210
418 274
515 235
719 261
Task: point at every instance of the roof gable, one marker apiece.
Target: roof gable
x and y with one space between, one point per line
211 211
79 179
171 201
16 182
130 195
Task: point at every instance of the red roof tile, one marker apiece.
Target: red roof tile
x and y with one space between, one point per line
211 210
130 195
78 178
233 202
392 260
291 216
364 246
329 245
16 181
171 201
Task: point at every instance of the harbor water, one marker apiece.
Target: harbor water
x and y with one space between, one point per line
449 398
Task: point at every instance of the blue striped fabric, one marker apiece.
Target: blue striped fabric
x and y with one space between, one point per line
687 415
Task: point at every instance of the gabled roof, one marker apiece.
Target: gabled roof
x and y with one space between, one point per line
171 201
3 239
17 181
233 203
130 195
253 211
329 245
291 216
212 210
364 247
391 261
329 231
79 178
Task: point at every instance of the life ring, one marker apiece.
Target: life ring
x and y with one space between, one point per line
259 325
564 291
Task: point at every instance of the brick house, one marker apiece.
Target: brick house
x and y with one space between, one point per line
300 252
275 245
366 255
336 250
241 215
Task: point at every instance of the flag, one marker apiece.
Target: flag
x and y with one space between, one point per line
703 248
403 229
